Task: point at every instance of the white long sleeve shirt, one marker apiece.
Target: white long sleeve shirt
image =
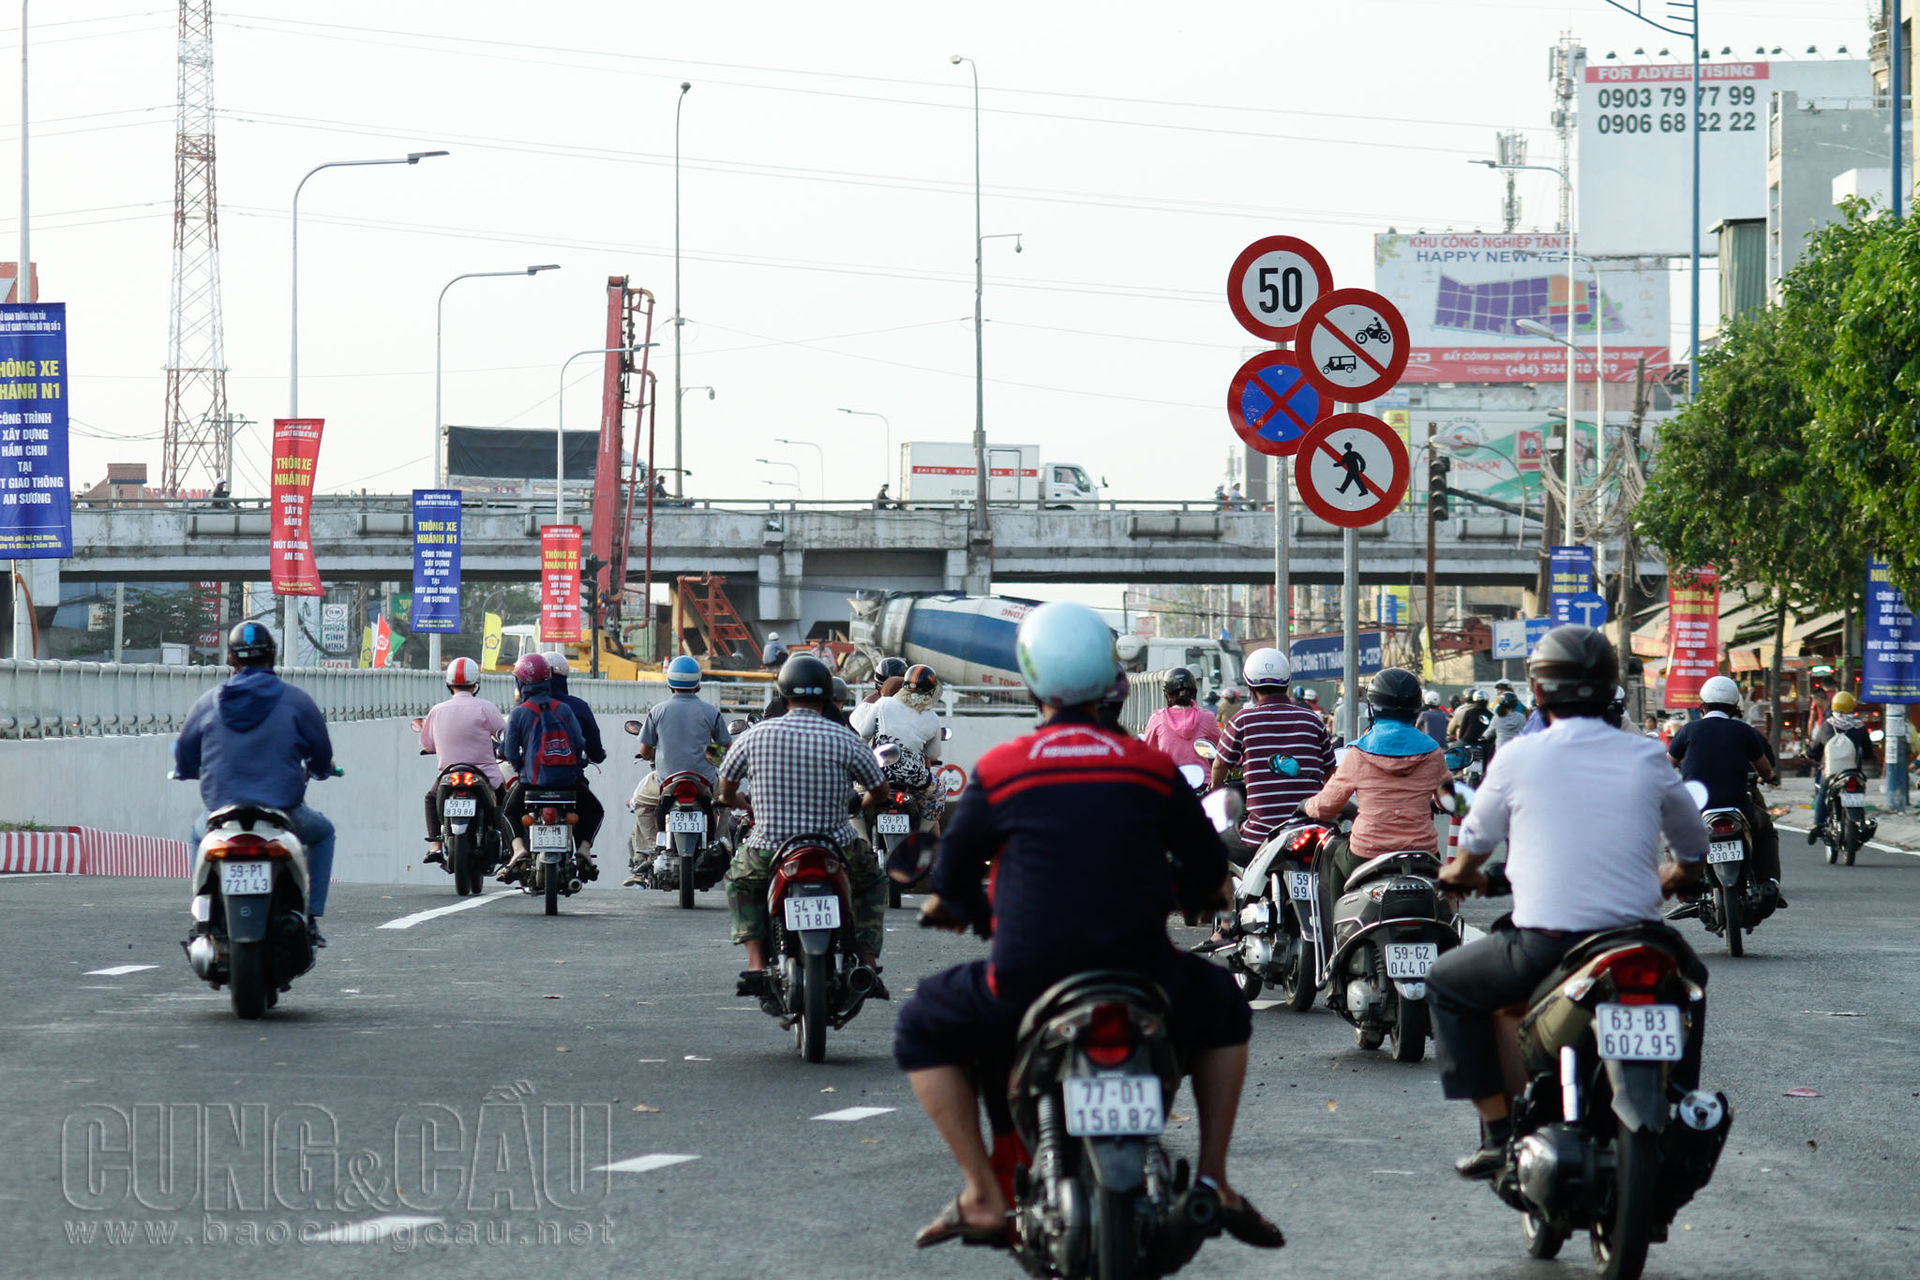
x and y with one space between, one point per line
1583 808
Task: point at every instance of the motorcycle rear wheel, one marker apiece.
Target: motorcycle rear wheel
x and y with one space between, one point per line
1729 907
815 987
460 856
1850 838
687 862
1409 1035
550 882
1620 1241
247 979
1250 984
1543 1242
1115 1250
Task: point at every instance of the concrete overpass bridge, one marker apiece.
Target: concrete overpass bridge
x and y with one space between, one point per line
801 560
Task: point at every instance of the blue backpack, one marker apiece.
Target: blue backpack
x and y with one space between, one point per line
551 744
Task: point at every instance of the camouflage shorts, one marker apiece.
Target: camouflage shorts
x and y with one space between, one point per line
750 873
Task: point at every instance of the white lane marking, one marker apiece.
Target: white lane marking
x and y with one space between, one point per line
407 922
118 969
855 1113
644 1164
373 1229
1871 844
1261 1006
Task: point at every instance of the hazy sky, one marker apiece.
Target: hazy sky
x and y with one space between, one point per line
827 181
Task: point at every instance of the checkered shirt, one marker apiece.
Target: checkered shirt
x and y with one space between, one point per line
801 768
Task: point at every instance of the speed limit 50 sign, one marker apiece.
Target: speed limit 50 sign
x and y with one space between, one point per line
1273 282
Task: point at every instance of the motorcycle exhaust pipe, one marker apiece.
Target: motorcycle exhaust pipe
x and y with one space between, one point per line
1202 1207
573 886
860 979
203 955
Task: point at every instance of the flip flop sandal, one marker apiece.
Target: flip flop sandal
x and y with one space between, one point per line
1247 1225
952 1225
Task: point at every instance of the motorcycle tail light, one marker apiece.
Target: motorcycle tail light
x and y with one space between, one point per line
1854 784
1303 838
1637 973
899 797
1725 827
547 817
247 845
687 793
461 779
1109 1035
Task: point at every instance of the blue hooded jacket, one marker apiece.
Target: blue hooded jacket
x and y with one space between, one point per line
523 737
254 739
589 727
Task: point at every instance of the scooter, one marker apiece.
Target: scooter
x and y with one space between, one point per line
1275 922
1389 921
472 841
1734 900
251 932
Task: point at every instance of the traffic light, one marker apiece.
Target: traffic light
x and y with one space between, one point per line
1437 468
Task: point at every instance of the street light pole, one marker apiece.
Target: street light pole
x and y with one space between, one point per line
808 444
560 425
678 318
886 448
439 423
793 466
979 336
293 357
23 292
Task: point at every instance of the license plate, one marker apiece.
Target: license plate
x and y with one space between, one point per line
246 877
895 824
1300 885
462 806
1638 1032
1121 1106
1410 959
549 840
1854 799
822 912
687 820
1726 851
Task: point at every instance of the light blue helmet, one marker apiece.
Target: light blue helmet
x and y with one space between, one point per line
683 672
1066 654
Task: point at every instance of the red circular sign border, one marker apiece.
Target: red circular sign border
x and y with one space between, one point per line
1396 324
1238 386
1303 474
1273 244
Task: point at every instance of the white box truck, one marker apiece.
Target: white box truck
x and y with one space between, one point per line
945 471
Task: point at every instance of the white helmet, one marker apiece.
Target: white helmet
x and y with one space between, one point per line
463 673
1720 692
1267 668
557 663
1432 699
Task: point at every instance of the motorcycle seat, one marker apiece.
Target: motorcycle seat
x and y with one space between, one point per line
1095 986
550 797
1657 934
1416 862
246 815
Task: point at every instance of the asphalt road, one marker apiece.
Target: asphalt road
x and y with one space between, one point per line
438 1099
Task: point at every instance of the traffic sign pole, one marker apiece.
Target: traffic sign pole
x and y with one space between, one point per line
1282 589
1350 626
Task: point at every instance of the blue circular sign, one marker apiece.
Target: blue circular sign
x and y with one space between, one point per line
1270 404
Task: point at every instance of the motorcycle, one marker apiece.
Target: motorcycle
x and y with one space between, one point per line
816 979
472 841
552 870
251 932
1604 1139
1390 922
1734 899
1467 761
1848 826
1375 331
1275 921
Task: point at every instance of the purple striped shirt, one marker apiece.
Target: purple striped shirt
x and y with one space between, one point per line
1261 739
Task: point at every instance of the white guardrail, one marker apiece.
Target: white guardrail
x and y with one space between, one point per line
94 699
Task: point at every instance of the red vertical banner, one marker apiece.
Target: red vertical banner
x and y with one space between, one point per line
382 642
560 583
1693 634
206 603
296 451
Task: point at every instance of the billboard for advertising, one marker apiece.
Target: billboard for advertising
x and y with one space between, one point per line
1499 453
1890 665
36 517
1465 294
296 452
1635 179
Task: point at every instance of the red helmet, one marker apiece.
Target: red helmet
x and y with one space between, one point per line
463 673
532 669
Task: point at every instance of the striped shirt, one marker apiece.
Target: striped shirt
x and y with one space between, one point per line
801 769
1284 754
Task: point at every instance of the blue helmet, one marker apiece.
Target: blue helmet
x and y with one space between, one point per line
1066 654
683 672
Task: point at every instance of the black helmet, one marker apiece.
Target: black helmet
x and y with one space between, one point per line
842 691
1395 693
805 676
891 667
1117 696
1573 669
250 644
1181 681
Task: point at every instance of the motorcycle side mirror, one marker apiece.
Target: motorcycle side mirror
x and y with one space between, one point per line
632 726
886 754
946 734
1457 799
1877 735
1698 791
1223 808
416 724
1194 775
1204 749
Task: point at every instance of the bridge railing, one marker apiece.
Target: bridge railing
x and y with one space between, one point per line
481 502
94 699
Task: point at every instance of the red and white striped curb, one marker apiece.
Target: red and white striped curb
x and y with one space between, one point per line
87 852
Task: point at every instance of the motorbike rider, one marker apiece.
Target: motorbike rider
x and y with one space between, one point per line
889 669
1717 751
1508 723
674 738
253 739
1070 813
1175 727
1432 720
1398 772
1841 723
775 654
1583 809
1469 723
545 746
1281 747
460 731
800 769
1310 699
1230 703
907 719
558 669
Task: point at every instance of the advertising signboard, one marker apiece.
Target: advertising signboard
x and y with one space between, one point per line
36 517
1890 667
1693 634
296 452
560 583
436 561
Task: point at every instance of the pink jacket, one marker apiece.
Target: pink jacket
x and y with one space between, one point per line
1174 730
1396 800
460 731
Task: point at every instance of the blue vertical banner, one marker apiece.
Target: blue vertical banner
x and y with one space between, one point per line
436 561
36 516
1890 667
1569 574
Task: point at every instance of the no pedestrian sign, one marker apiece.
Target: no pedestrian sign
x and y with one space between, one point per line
1353 345
1270 404
1273 282
1352 470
